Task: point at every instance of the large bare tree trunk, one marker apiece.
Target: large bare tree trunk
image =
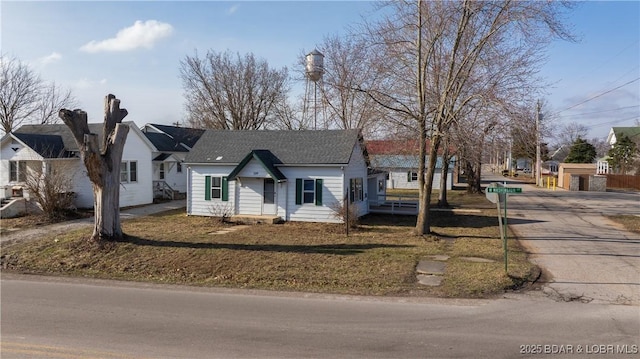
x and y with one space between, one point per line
102 163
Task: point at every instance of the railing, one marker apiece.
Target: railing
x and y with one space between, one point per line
162 190
394 204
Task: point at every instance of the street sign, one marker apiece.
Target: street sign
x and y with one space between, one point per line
504 189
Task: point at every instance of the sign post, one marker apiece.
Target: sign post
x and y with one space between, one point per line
502 194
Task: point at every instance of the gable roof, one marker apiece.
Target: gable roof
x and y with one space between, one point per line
266 159
47 146
184 135
164 143
616 133
289 147
56 140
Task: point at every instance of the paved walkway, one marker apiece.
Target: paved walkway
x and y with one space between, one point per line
57 228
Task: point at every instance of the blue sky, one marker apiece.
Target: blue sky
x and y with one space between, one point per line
133 50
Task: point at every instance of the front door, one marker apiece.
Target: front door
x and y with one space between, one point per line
269 197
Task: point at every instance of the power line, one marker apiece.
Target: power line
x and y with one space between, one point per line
614 121
601 111
599 95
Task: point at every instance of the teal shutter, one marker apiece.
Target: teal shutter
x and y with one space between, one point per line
298 190
225 189
319 192
207 188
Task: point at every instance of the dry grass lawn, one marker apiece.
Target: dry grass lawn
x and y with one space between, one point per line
378 258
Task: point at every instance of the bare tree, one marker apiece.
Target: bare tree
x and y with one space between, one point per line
52 188
226 91
25 97
52 98
344 71
19 93
102 161
432 52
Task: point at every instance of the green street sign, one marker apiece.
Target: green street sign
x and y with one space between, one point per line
504 189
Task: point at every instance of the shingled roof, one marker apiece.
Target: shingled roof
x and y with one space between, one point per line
185 135
289 147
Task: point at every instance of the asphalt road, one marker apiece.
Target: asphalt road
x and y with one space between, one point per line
586 256
75 318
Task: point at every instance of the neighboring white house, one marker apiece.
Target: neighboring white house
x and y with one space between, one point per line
295 175
399 159
171 147
41 148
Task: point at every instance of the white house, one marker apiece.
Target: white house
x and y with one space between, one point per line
171 147
294 175
399 160
41 148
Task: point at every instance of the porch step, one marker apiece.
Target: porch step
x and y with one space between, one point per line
255 219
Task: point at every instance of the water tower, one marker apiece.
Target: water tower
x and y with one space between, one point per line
314 69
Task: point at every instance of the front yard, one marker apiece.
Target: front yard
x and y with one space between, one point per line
378 258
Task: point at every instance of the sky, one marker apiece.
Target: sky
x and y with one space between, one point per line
133 50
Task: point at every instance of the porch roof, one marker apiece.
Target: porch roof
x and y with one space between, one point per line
267 159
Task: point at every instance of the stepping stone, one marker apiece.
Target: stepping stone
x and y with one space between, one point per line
430 267
429 280
477 260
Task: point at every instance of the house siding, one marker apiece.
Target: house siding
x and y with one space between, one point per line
245 197
196 202
131 194
249 199
140 192
357 168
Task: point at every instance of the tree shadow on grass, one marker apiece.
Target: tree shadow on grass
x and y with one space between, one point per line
337 249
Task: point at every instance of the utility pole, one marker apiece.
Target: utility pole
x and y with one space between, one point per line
538 119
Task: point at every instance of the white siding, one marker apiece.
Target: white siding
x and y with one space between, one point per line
176 180
331 194
141 191
254 169
398 179
245 194
196 202
250 195
357 168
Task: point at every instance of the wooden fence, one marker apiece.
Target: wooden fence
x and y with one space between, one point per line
623 181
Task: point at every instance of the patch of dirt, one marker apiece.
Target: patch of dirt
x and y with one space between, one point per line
36 220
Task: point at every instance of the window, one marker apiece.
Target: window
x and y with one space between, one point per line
216 188
356 189
17 171
162 170
129 171
179 167
309 191
412 176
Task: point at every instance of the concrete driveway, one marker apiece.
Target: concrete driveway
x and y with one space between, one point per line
585 256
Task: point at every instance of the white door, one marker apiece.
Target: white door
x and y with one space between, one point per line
269 197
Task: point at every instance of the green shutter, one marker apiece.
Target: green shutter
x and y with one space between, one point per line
319 192
207 188
298 190
409 176
225 189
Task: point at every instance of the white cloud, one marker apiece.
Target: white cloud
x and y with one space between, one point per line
232 10
141 34
53 57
